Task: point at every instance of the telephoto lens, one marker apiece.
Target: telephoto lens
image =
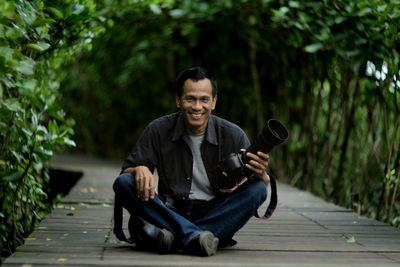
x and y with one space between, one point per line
274 133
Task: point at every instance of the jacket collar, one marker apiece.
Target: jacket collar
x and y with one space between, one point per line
180 129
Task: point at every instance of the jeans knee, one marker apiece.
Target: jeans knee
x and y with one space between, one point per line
122 181
259 190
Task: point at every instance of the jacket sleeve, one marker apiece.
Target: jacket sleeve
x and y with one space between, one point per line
144 152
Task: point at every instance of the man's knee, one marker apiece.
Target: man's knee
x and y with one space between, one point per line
123 181
259 190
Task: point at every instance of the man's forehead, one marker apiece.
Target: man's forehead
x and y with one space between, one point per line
200 87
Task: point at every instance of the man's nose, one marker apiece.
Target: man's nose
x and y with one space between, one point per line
197 104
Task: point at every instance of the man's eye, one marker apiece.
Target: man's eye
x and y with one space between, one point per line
205 100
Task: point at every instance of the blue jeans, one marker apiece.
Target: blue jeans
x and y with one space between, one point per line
223 216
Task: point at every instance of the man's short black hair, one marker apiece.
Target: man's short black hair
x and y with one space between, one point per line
195 74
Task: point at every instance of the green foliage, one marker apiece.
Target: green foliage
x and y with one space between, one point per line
36 39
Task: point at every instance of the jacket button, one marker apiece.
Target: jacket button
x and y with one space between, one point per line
188 179
183 198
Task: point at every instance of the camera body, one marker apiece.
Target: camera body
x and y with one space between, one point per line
232 169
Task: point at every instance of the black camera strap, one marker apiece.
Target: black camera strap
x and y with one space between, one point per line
273 201
119 233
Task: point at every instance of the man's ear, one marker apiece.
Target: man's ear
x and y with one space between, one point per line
214 102
178 101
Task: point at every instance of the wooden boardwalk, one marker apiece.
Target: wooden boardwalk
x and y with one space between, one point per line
304 231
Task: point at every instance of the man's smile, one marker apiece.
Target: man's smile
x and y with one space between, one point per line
196 115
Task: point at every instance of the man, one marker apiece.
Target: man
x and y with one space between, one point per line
189 211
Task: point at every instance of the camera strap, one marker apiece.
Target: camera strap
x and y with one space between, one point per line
119 233
273 201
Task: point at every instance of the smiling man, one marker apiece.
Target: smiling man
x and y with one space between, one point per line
189 212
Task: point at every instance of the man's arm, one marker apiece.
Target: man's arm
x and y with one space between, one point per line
145 184
259 164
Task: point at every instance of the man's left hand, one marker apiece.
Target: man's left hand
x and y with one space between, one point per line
258 163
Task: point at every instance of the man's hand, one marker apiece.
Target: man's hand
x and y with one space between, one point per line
144 182
259 164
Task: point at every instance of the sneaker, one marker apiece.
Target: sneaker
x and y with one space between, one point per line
165 241
205 244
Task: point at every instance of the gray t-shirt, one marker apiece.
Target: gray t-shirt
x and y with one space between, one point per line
201 188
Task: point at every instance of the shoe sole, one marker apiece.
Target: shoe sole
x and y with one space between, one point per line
208 243
165 241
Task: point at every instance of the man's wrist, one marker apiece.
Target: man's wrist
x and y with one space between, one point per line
265 178
130 170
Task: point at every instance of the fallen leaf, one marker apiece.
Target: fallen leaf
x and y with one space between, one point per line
70 214
351 239
93 190
84 190
62 259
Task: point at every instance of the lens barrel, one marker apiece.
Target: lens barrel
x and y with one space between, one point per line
274 133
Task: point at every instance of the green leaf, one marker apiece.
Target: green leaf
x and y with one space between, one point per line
26 67
65 141
69 142
57 14
177 13
27 87
351 239
312 48
6 52
34 118
41 130
13 176
156 9
43 153
35 47
53 128
12 104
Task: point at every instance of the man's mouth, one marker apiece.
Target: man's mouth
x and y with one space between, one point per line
196 115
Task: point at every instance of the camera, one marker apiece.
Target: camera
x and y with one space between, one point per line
232 169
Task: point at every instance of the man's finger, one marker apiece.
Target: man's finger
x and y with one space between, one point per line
146 193
263 155
254 169
153 192
139 186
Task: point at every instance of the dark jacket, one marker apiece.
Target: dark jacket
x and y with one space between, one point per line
163 145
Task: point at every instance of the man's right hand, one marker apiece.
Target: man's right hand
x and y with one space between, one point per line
144 182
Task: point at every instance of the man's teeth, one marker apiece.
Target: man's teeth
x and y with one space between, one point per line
196 115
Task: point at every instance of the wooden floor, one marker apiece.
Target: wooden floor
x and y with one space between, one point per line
304 231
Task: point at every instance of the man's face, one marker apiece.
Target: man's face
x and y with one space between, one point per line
196 104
